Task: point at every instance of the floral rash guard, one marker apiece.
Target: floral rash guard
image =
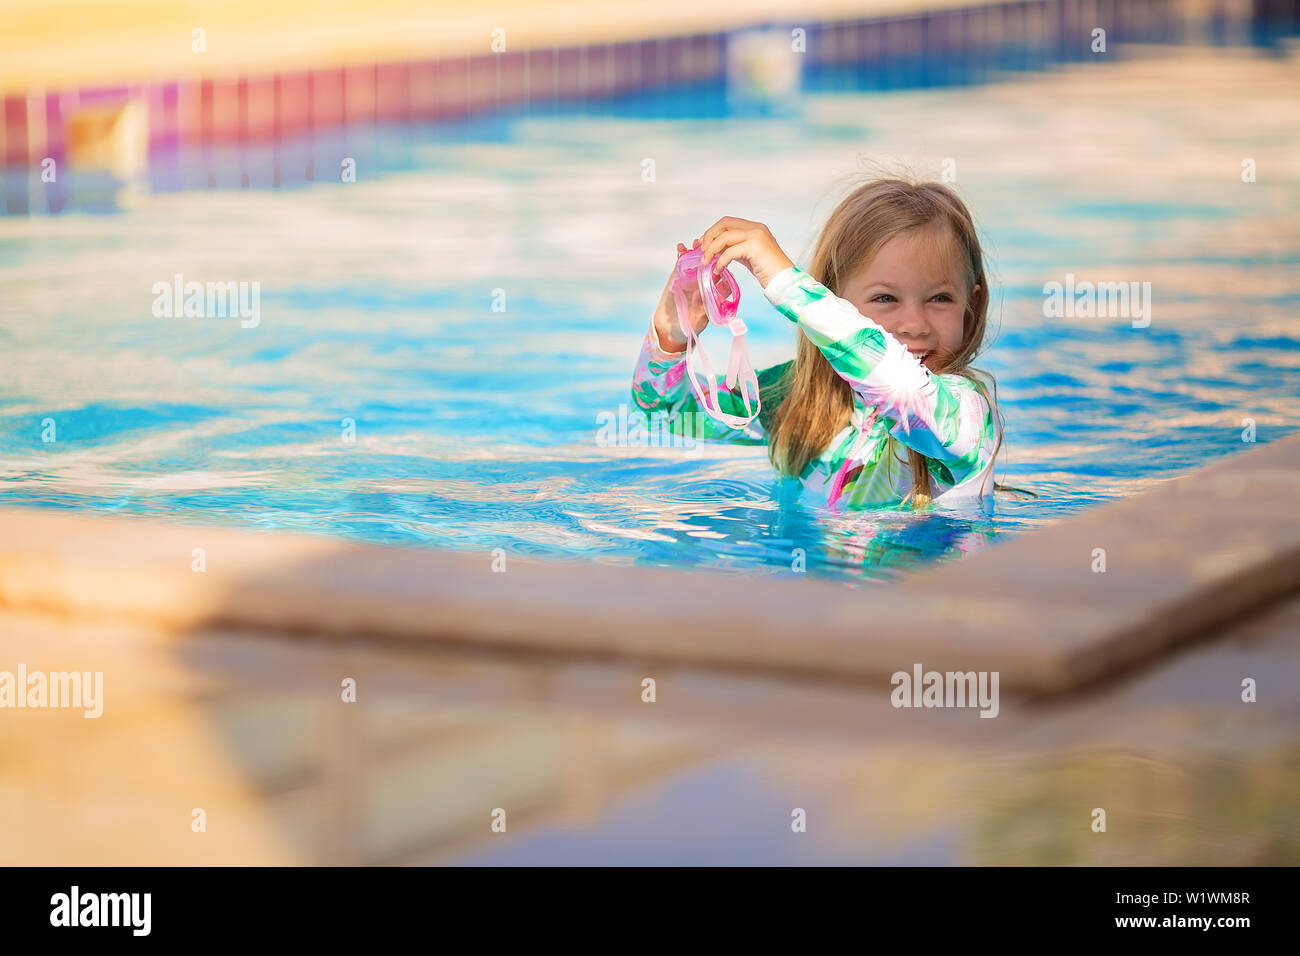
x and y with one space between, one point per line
947 418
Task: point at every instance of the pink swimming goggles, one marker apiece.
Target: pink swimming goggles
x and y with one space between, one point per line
721 298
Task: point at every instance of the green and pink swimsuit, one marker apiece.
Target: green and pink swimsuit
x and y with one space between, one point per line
897 401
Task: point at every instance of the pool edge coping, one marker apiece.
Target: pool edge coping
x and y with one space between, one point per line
1178 560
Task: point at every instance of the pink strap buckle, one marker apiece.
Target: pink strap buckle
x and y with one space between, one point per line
721 298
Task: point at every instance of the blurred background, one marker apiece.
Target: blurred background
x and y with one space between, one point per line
459 218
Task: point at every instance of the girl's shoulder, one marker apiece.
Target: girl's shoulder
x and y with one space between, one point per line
971 380
978 382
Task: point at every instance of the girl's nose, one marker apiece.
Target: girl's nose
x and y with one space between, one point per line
912 322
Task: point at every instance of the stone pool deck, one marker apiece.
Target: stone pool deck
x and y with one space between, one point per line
522 689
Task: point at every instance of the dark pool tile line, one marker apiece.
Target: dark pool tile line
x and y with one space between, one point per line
288 108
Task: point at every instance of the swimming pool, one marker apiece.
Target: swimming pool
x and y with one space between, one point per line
473 428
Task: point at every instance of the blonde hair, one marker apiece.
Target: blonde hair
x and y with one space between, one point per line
819 403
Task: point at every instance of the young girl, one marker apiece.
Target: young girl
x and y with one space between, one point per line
880 405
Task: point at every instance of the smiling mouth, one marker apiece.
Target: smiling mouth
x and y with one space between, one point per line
922 356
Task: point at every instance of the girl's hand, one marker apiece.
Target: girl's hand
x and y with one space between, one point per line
749 243
670 332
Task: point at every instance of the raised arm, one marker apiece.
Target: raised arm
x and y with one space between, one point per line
660 386
945 417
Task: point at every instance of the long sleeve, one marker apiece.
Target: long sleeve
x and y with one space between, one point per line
660 387
947 418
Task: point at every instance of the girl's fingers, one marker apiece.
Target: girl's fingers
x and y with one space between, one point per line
728 256
724 225
711 233
721 241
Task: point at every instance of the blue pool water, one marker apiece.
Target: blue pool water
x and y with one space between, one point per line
477 429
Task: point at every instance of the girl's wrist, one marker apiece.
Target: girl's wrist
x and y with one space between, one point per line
669 345
779 264
668 337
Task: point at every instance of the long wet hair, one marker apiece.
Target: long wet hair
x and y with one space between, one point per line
818 403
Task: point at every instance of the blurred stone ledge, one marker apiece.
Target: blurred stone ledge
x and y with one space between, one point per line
1183 560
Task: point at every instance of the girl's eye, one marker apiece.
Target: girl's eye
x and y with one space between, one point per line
943 297
882 297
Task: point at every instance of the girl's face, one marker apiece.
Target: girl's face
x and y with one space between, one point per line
908 292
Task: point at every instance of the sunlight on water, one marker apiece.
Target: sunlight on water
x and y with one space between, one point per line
476 429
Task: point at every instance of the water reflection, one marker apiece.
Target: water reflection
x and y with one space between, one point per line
1184 810
252 729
